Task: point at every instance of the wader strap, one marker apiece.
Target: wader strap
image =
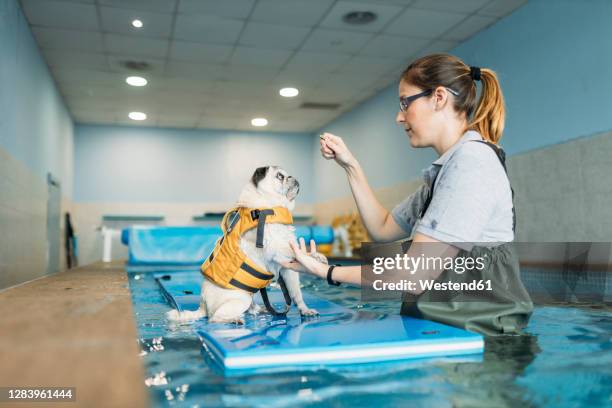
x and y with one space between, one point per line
406 245
264 296
501 155
261 216
429 196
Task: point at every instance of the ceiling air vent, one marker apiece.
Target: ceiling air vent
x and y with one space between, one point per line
359 17
140 66
319 105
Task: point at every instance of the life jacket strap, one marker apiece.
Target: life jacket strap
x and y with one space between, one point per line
233 221
260 215
264 296
250 279
242 286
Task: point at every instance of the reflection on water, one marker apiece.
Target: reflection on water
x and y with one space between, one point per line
564 361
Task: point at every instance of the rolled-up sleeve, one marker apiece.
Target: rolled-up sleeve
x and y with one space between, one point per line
465 196
408 211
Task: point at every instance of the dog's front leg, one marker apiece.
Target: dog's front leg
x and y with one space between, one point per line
292 281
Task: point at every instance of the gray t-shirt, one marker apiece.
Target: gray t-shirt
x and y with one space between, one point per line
472 200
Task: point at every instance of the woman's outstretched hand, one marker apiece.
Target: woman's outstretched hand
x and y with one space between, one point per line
305 260
333 147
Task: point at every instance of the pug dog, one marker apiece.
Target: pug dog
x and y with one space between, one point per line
270 186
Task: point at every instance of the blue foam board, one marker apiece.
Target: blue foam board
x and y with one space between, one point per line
337 336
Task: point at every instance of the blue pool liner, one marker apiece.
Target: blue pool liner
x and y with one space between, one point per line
322 234
303 231
155 246
338 336
186 246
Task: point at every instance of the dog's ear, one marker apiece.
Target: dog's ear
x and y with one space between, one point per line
260 174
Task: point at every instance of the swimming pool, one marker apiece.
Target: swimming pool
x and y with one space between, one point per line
565 360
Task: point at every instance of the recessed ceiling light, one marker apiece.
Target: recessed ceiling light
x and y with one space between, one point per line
259 122
289 92
137 115
136 81
137 23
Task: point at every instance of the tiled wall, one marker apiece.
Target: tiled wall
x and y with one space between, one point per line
87 220
563 192
23 223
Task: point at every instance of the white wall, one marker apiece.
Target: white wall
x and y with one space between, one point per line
36 137
35 126
135 164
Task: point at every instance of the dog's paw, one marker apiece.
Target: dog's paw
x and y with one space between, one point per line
235 320
255 309
307 312
173 315
319 257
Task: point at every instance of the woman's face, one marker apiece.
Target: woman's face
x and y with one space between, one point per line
419 119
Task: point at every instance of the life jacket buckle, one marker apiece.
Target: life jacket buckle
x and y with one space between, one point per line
254 215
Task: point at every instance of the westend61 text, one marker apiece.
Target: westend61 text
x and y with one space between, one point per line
427 285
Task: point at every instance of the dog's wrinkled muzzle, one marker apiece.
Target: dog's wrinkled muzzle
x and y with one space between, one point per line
294 188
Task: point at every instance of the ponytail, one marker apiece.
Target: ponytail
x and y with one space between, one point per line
491 112
449 71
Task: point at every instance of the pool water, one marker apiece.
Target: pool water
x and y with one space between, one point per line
564 361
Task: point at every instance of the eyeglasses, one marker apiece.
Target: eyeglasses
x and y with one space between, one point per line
405 101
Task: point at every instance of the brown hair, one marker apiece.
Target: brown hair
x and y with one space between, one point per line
448 71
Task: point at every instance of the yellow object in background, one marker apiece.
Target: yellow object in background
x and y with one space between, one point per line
325 249
356 231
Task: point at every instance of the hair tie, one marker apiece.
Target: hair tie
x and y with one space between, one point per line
475 73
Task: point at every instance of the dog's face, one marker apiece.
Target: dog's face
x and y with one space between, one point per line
275 181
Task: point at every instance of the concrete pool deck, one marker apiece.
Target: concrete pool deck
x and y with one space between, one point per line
73 329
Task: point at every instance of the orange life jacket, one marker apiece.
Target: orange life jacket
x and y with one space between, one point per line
227 265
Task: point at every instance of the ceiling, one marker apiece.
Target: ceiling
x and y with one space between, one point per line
219 63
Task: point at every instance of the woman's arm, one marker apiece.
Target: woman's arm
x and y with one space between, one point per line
304 262
377 220
352 274
344 274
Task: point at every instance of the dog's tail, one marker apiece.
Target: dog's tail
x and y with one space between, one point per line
186 316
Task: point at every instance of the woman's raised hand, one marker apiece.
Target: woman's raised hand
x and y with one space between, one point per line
305 261
333 147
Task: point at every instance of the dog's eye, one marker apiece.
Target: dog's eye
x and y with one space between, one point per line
280 177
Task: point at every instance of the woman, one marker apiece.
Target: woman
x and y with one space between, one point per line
466 198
